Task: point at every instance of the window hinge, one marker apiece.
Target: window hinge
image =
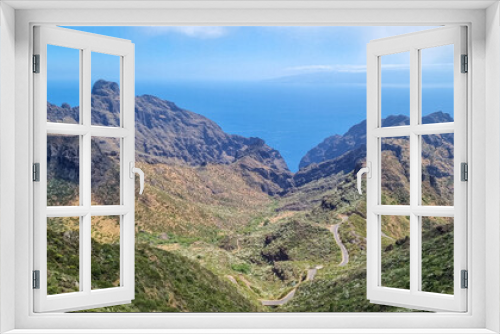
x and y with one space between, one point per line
465 279
36 63
36 172
464 170
36 279
465 64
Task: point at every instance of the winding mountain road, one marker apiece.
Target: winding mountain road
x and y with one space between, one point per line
281 301
310 276
311 273
335 230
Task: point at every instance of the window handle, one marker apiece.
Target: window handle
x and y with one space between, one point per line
368 171
134 170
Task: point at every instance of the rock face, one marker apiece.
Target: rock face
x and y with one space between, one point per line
63 157
63 164
346 163
336 145
166 133
347 153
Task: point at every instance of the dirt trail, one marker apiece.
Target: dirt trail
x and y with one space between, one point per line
385 235
244 280
232 279
282 215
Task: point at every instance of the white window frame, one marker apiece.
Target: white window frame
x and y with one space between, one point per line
123 50
413 44
483 314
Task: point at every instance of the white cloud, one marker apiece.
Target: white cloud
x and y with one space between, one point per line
311 68
349 68
206 32
361 68
328 68
352 68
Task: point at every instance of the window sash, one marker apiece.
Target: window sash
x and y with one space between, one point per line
413 298
87 297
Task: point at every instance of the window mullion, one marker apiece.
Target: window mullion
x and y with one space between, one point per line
414 168
85 179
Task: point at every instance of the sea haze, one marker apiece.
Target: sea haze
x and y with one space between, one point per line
290 117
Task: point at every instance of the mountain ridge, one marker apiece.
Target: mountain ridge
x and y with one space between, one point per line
166 133
209 236
336 145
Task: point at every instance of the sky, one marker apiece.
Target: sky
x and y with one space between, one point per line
194 53
291 86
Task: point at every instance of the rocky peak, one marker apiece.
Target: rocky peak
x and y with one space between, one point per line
437 117
166 133
105 88
336 145
347 153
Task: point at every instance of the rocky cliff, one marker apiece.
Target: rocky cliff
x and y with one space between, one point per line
166 133
336 145
346 154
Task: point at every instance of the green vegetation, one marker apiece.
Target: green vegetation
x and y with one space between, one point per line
241 267
223 225
437 255
165 281
168 282
346 293
63 260
203 249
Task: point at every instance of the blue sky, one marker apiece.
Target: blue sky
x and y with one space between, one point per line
245 53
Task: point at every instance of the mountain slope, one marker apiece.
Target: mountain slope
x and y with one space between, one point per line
336 145
437 161
166 133
165 281
209 236
347 292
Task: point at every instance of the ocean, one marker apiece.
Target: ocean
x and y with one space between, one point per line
290 117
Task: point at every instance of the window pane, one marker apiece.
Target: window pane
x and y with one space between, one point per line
437 84
105 171
63 255
395 255
395 173
105 89
437 169
437 254
63 170
395 89
63 84
105 252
